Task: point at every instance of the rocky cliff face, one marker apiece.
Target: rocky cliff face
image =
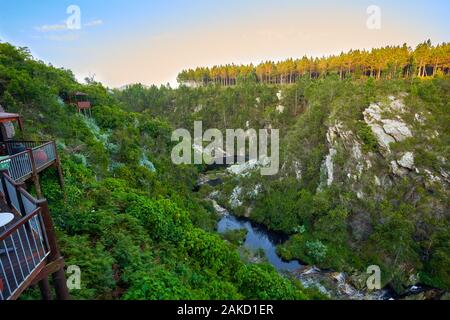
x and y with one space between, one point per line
384 165
377 173
370 174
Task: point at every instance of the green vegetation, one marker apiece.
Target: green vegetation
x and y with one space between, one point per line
236 237
130 220
134 226
398 223
389 62
374 217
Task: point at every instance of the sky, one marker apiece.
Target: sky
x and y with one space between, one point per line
138 41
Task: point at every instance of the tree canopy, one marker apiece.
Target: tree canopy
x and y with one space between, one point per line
388 62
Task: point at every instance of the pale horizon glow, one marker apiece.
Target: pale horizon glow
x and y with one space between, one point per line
124 42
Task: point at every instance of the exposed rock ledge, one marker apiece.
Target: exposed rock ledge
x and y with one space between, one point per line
386 131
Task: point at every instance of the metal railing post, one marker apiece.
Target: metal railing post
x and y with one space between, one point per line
19 198
34 174
5 188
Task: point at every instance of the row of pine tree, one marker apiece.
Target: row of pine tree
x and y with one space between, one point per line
388 62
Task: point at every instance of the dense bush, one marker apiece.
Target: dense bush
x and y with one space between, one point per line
127 217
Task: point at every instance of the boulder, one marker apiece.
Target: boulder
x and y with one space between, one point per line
384 140
372 113
397 170
387 131
407 161
396 129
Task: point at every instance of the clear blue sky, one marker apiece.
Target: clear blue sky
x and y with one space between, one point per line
125 41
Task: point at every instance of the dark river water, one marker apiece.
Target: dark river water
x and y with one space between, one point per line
259 237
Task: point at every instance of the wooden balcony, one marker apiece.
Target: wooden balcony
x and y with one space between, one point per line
26 255
24 242
27 159
23 165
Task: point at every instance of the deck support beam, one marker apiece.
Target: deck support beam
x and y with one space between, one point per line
62 292
59 172
44 287
37 185
59 277
35 175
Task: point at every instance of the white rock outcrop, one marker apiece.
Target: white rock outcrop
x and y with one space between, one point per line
246 167
387 131
384 140
397 170
336 135
280 95
396 129
280 108
397 105
419 118
373 113
330 166
407 161
234 199
297 169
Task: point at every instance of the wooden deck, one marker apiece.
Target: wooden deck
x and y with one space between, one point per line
23 165
32 253
25 257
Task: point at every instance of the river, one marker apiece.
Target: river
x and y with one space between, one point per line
261 238
334 284
258 237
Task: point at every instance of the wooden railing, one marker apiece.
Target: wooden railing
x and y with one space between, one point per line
83 105
24 241
36 157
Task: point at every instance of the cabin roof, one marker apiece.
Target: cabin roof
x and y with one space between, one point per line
8 117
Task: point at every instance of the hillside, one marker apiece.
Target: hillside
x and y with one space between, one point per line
130 220
365 173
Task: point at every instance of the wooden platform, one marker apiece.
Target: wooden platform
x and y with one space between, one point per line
26 256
